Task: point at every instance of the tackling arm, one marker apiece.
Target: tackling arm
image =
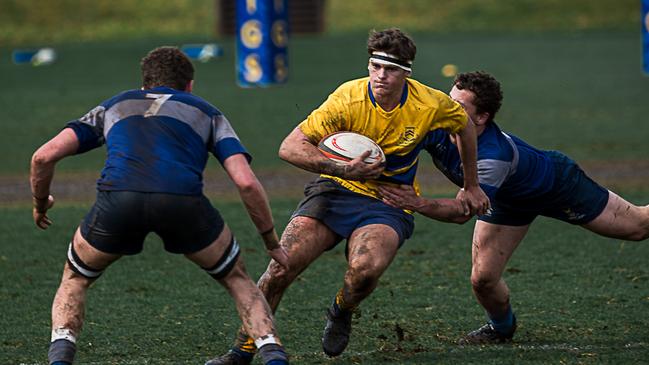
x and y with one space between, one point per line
298 150
445 210
255 200
43 163
471 192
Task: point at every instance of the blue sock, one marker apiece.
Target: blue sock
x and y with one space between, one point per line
277 362
503 323
273 354
243 354
61 352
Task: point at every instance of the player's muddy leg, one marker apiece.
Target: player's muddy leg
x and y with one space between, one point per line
621 219
84 265
222 261
371 250
304 239
493 245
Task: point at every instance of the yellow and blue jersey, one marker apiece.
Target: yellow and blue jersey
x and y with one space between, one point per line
400 132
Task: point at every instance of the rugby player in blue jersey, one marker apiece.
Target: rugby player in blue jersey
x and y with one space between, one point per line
343 203
157 139
522 183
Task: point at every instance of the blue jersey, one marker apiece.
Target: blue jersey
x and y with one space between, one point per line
157 140
509 169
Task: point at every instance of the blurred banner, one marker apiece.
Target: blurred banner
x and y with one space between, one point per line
645 35
37 57
202 52
262 42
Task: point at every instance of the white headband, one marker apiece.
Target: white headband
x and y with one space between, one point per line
388 59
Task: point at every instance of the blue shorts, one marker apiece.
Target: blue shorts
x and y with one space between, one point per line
119 221
343 211
575 198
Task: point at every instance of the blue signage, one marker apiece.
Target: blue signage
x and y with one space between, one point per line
262 42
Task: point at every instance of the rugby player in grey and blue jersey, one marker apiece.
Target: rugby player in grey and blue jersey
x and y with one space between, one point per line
157 139
522 183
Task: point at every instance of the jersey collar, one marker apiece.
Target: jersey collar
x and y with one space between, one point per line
404 94
165 90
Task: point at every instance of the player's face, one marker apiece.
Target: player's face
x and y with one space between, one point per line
465 98
386 80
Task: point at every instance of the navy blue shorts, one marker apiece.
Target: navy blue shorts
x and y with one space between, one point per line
575 198
119 221
343 211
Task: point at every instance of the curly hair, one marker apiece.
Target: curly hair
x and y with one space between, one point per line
166 66
488 94
392 41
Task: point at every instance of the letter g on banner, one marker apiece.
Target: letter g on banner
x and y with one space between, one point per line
251 35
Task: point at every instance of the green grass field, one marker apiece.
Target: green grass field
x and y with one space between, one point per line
579 299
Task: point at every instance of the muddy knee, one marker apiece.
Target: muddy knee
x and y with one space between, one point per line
277 276
362 279
483 283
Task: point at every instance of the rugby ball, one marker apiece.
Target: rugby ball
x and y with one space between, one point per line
343 147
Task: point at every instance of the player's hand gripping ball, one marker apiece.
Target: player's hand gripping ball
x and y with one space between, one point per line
342 147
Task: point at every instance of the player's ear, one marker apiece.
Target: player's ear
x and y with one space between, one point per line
481 119
190 86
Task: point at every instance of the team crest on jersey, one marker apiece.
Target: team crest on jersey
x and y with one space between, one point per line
408 137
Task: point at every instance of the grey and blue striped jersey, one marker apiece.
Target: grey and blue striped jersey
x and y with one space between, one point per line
157 140
508 168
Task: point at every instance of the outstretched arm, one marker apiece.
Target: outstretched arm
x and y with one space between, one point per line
298 150
471 193
255 200
43 163
445 210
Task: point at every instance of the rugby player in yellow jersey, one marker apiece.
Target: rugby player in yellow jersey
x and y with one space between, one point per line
343 203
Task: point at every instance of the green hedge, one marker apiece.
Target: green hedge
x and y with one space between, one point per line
35 22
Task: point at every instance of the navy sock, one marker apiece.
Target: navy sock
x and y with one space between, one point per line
503 323
273 354
61 352
277 362
243 354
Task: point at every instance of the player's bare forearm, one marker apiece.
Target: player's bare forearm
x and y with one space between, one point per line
445 210
405 197
298 150
45 158
40 177
467 146
255 200
251 191
42 172
472 194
